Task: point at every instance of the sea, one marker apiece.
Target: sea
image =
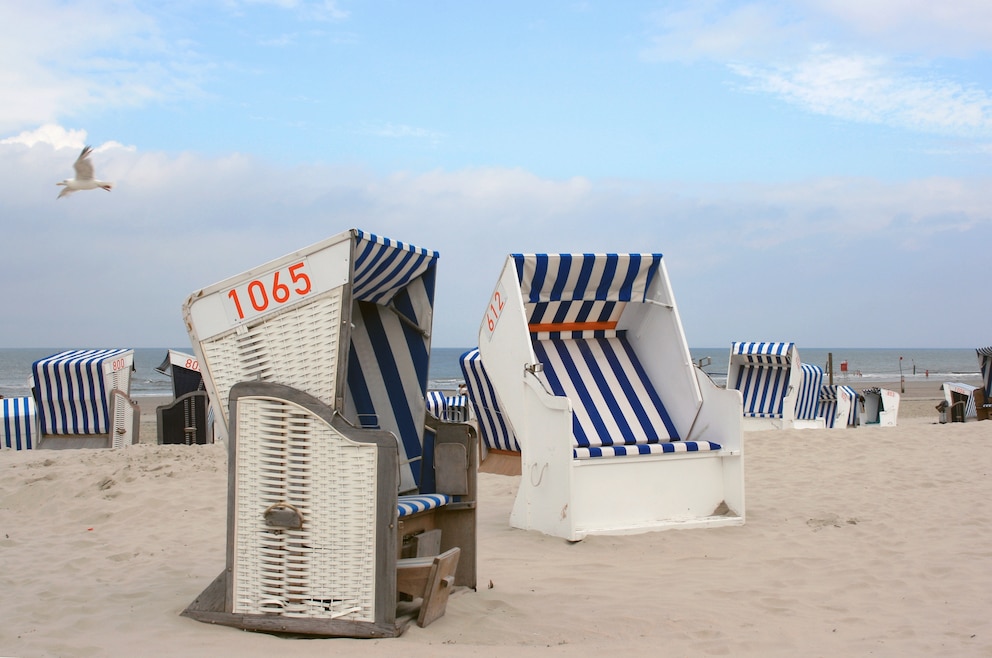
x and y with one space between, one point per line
850 365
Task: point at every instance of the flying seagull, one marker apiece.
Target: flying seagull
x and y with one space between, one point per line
84 176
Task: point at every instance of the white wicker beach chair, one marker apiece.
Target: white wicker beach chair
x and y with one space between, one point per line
618 431
346 321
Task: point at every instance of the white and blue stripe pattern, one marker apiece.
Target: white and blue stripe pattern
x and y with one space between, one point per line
829 396
71 391
645 449
494 427
585 277
389 351
613 402
383 267
763 389
410 505
764 353
985 363
18 419
808 400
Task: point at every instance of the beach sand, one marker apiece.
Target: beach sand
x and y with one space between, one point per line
869 541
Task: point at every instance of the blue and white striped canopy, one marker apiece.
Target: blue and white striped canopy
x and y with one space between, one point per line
587 277
383 267
72 393
493 425
775 353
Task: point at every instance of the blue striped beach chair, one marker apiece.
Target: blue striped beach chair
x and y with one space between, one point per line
983 409
494 427
839 406
19 424
881 407
586 357
778 390
345 326
82 398
449 408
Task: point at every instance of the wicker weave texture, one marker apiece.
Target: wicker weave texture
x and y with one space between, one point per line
286 455
297 347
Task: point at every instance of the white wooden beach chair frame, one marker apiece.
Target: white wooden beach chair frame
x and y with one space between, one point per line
568 497
881 407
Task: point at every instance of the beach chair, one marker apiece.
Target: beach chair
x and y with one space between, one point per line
618 431
18 424
346 322
500 450
839 406
983 406
881 407
450 408
186 420
960 401
779 391
83 401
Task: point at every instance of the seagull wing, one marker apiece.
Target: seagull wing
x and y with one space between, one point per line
83 166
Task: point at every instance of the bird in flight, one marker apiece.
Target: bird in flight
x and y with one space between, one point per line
84 179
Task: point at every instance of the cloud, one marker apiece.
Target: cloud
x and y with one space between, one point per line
176 223
872 62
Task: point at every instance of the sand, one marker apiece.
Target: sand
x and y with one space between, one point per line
870 541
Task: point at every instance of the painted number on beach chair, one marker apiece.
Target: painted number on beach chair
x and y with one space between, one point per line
495 309
269 291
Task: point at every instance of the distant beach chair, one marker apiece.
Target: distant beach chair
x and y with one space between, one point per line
983 407
619 432
186 420
839 406
960 399
83 400
19 424
881 407
449 408
779 391
316 355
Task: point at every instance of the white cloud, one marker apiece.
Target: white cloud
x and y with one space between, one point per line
859 61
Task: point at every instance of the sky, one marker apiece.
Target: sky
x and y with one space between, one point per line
814 171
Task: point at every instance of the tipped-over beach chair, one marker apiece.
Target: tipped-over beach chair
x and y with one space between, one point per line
960 401
779 391
83 401
881 407
343 325
618 431
18 424
983 407
839 406
187 419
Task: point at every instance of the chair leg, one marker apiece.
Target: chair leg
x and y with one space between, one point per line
430 579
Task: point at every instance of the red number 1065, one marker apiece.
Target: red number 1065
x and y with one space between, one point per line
260 294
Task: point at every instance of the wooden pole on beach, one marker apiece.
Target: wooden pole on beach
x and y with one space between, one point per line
830 367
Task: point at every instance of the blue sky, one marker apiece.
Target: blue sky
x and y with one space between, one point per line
814 171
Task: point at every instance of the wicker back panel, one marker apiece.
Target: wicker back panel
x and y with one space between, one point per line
298 348
287 455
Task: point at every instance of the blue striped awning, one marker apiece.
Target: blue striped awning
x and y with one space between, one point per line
774 353
494 427
383 267
72 392
17 424
808 399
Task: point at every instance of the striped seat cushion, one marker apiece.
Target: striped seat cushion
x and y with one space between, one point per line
613 402
645 449
410 505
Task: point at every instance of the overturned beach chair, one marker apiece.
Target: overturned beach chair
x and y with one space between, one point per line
187 420
18 424
500 450
881 407
983 407
619 432
779 391
839 406
960 401
83 400
342 329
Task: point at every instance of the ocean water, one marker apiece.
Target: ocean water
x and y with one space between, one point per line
863 366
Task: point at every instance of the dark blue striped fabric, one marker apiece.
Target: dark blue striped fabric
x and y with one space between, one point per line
585 277
495 428
383 267
18 419
71 392
646 449
768 353
763 389
808 399
985 363
410 505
